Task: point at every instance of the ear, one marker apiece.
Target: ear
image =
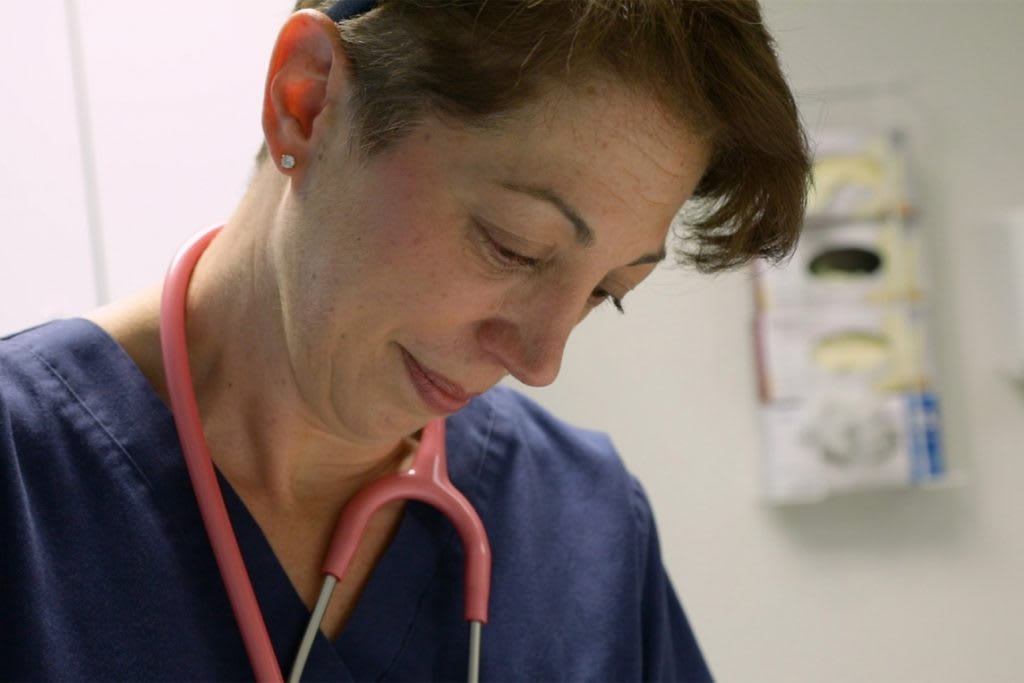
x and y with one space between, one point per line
308 71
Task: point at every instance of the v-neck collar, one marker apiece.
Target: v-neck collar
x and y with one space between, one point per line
375 636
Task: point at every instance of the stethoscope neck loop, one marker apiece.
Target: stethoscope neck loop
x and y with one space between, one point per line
426 481
178 376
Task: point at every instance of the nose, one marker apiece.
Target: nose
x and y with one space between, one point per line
530 344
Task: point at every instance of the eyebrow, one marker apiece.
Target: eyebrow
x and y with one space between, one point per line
653 257
584 234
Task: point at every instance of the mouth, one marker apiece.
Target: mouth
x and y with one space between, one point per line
440 394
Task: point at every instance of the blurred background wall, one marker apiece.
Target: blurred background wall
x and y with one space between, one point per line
159 128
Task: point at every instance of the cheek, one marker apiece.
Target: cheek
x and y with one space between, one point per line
411 218
420 255
424 256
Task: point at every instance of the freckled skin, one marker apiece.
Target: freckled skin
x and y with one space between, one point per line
300 310
389 258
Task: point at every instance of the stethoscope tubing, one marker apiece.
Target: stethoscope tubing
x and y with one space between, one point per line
426 480
317 616
178 376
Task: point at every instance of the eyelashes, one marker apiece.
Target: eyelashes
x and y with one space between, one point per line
510 261
601 296
506 258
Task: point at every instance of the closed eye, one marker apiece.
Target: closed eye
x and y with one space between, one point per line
505 257
509 260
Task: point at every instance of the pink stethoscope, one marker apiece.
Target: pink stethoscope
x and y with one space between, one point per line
426 481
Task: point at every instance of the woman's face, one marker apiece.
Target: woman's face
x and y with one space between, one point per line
414 280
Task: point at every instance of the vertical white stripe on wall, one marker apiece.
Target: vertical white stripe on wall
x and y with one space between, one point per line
87 153
45 269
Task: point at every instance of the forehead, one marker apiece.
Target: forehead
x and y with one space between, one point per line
604 148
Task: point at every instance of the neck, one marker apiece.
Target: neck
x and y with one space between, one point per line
262 435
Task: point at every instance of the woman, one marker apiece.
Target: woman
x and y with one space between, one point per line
447 188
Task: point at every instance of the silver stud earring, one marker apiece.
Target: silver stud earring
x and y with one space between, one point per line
288 161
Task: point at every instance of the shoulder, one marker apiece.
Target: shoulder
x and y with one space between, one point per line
31 354
524 467
573 538
37 405
530 422
40 367
520 439
27 381
523 424
66 390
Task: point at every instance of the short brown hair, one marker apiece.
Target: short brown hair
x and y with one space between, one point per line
710 64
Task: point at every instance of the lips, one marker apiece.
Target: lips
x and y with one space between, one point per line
439 393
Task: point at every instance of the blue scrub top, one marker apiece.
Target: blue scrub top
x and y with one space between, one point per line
107 573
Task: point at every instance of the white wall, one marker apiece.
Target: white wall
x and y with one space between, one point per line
175 98
898 586
45 269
